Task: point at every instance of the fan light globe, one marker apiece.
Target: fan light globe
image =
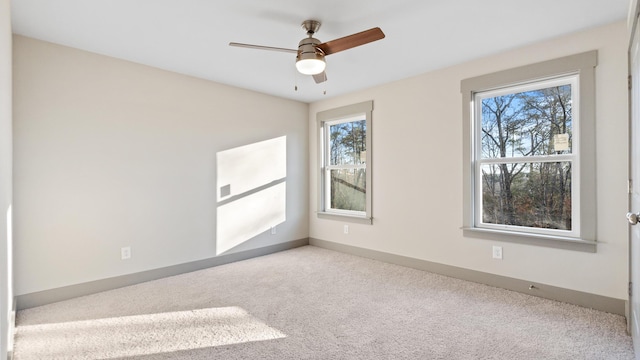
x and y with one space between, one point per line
310 66
310 59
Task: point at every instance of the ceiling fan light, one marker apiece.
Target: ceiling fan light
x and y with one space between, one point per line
310 59
311 66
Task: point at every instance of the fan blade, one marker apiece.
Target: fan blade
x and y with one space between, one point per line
320 78
260 47
351 41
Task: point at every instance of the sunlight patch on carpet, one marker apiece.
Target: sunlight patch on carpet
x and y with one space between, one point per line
144 334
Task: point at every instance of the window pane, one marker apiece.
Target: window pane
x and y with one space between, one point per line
536 122
348 143
533 194
348 189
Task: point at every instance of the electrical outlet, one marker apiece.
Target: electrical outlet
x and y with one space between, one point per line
497 252
346 229
273 230
125 253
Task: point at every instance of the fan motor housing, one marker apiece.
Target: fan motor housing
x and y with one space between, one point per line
308 49
310 58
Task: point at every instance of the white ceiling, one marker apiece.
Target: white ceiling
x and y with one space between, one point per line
191 36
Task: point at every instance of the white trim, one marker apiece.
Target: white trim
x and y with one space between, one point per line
530 159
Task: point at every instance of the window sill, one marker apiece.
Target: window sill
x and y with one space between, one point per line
558 242
345 217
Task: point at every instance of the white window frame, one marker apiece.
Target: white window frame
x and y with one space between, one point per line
582 236
573 157
350 113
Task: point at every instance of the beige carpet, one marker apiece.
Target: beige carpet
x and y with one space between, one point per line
312 303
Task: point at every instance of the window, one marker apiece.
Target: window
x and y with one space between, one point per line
529 154
345 162
524 158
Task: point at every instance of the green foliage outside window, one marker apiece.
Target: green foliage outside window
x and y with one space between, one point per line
536 123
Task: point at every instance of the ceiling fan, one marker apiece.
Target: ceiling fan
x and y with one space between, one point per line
311 52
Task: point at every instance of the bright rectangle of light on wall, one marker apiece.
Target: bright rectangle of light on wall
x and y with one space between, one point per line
251 191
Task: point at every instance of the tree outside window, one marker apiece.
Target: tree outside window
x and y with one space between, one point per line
524 155
345 163
347 169
529 157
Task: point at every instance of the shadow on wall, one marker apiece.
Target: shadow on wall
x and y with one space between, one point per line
251 191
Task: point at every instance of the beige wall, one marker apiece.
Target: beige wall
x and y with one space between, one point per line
417 172
110 154
6 241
